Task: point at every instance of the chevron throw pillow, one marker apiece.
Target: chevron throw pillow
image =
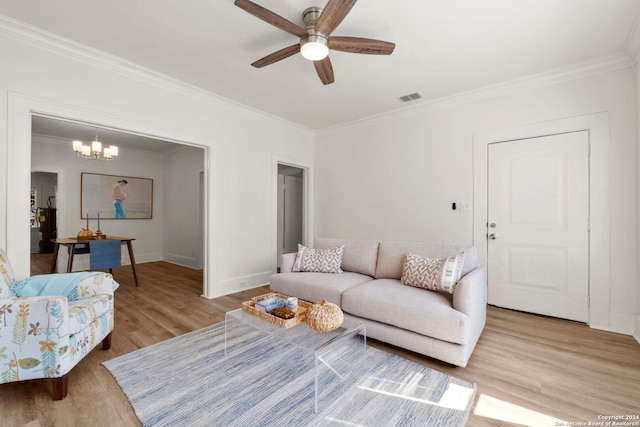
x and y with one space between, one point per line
435 274
318 260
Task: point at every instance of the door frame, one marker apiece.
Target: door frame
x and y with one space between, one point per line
20 110
563 236
307 203
599 189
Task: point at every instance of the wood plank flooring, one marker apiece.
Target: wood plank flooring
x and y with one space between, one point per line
530 370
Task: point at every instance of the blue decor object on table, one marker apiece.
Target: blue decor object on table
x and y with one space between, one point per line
105 254
270 303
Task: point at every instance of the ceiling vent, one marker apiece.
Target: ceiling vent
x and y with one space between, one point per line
411 97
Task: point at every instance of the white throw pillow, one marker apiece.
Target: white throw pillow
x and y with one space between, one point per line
435 274
319 260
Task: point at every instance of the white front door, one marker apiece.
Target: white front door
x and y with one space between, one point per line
537 230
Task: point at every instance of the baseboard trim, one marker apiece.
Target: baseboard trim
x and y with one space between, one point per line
241 283
181 260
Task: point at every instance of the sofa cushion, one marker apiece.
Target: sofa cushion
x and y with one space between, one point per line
360 256
6 276
391 256
406 307
315 287
434 274
318 260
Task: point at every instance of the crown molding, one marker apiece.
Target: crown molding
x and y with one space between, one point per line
601 65
57 44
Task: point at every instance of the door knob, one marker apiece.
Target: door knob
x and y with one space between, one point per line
492 236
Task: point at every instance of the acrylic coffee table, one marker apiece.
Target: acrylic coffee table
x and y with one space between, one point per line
323 346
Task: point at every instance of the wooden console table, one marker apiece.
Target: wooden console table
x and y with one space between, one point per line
71 243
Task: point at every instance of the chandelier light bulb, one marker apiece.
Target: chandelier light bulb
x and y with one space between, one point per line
77 146
96 146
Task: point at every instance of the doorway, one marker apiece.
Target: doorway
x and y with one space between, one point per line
43 211
290 209
538 225
173 164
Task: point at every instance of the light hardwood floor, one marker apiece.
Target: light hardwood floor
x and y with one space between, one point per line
530 370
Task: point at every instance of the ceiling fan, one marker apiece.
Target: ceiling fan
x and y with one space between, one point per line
315 37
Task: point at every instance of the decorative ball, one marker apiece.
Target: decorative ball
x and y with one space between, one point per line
324 316
84 235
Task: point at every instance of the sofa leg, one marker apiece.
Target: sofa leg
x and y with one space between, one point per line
106 342
60 387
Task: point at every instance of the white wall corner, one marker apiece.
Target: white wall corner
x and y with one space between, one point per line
632 44
636 333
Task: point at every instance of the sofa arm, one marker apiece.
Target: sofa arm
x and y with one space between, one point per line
286 262
34 336
470 296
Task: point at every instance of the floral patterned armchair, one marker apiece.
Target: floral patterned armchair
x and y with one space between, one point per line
48 323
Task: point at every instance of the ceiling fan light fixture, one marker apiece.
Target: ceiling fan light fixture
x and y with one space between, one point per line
314 47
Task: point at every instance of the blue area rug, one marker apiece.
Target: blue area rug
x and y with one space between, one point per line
189 381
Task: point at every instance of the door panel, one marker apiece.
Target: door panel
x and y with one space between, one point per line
538 225
292 213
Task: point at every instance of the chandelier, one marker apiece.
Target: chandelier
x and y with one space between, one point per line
93 151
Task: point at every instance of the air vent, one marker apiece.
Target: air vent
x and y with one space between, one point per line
410 97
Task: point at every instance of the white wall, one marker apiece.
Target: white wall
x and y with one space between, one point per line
396 180
395 177
47 152
51 76
182 212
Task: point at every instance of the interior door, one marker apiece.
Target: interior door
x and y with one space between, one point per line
290 209
292 213
538 219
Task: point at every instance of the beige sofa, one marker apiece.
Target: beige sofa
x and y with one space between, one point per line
440 325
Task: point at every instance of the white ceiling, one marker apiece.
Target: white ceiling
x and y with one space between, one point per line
443 47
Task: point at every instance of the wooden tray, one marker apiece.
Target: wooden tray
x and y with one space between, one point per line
301 312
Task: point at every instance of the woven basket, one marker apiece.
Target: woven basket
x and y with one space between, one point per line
324 316
250 307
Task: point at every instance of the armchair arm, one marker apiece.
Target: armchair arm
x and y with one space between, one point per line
98 284
470 296
34 337
72 285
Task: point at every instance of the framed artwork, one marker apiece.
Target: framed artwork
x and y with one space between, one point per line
115 197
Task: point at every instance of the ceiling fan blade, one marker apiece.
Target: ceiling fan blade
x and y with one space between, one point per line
332 15
361 45
277 56
324 70
270 17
